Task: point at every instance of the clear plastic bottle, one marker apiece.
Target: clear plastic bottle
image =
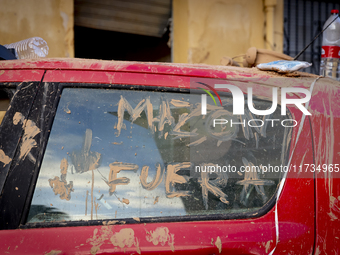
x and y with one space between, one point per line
34 47
330 53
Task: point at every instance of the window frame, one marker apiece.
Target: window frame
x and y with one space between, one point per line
10 135
27 101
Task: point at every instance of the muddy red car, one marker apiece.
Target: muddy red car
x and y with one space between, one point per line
101 157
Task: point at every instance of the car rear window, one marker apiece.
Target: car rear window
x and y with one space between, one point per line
129 153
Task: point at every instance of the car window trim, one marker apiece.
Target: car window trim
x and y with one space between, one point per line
10 143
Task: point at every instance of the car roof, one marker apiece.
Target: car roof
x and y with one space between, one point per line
193 70
128 66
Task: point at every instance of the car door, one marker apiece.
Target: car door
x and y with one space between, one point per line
118 165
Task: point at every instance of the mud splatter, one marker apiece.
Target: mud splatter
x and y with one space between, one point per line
92 200
18 117
87 197
182 120
60 186
136 219
218 244
267 246
30 131
172 177
334 208
67 110
156 200
111 222
115 168
126 201
318 250
115 143
144 105
161 236
125 238
228 133
53 252
164 117
96 206
4 159
156 180
179 103
86 160
199 141
252 178
100 236
209 186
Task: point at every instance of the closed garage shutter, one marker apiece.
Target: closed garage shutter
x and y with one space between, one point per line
147 17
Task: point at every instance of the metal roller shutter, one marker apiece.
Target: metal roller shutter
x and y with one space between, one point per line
147 17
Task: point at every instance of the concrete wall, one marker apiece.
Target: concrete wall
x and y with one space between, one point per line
205 31
51 20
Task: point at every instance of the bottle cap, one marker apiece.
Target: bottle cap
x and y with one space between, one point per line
334 11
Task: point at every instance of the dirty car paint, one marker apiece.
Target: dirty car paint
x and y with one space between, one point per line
297 204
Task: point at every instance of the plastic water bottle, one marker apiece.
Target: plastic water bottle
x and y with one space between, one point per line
330 53
34 47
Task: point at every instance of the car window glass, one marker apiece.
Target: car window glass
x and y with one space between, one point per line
116 154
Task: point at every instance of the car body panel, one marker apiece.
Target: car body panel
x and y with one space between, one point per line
295 209
21 75
326 127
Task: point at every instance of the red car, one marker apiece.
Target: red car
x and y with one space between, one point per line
101 157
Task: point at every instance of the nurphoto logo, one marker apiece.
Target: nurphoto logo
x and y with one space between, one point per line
238 99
